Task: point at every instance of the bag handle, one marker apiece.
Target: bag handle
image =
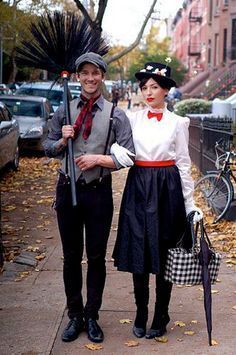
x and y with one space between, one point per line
193 233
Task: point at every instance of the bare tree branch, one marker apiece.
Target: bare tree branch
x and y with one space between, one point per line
101 9
97 25
85 13
137 40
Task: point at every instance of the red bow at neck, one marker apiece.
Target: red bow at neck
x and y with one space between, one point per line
85 116
158 115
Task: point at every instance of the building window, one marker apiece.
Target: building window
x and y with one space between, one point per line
210 10
225 45
216 50
233 42
225 2
209 52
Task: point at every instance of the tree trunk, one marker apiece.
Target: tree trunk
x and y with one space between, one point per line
12 76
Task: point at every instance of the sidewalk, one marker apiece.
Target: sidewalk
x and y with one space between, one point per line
32 311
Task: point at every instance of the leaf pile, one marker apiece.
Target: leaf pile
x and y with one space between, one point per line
26 199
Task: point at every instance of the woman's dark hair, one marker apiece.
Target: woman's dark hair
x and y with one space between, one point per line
158 79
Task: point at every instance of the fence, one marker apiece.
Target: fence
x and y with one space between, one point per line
204 131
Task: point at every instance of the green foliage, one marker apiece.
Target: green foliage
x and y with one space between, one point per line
192 106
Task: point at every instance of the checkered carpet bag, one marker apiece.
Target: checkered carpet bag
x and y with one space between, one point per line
183 266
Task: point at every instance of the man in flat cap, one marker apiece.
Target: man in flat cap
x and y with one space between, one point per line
95 127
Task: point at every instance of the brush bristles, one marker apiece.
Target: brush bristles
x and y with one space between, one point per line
58 39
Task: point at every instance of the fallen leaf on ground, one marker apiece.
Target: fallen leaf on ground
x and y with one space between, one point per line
231 261
93 346
40 257
214 342
194 321
180 339
179 323
162 339
132 343
234 307
125 321
9 208
189 332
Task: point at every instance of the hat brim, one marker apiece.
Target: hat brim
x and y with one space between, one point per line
91 62
163 80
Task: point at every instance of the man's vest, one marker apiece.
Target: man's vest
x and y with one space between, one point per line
95 143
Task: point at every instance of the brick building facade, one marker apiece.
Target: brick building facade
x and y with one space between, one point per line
204 38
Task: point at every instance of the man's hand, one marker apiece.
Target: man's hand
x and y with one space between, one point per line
67 132
87 161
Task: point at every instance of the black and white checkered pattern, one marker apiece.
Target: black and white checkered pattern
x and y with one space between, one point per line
183 267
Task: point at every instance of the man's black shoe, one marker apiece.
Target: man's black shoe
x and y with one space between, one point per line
95 333
73 329
139 332
155 333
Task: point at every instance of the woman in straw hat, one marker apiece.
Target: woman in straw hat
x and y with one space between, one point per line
157 198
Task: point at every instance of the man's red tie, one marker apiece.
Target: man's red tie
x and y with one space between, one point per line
158 115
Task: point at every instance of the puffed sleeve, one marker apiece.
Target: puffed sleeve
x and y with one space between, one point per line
183 161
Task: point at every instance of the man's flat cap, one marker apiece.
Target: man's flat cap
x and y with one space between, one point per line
92 58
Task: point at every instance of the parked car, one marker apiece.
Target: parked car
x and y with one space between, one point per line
33 115
54 93
75 88
9 139
4 90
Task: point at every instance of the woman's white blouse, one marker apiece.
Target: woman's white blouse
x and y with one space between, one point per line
164 140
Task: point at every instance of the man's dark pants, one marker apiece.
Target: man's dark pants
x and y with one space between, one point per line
93 214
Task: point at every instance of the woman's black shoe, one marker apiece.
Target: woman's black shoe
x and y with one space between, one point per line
139 332
155 333
73 329
95 333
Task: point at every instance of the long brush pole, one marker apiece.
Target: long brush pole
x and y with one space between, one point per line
65 76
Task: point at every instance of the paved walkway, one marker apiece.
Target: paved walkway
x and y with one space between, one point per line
32 311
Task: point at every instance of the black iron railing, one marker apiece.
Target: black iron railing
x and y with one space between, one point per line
203 133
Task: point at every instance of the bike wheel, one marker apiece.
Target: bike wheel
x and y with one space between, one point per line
216 192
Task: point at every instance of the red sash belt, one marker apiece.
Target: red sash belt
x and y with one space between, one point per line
154 163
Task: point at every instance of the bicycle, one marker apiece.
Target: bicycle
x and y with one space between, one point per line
216 188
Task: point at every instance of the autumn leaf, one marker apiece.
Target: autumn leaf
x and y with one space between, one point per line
231 261
93 346
234 307
9 208
214 342
194 321
189 332
162 339
125 321
40 257
131 343
179 324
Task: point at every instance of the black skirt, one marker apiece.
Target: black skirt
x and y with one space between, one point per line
152 219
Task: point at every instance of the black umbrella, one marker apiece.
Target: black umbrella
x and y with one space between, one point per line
57 40
205 255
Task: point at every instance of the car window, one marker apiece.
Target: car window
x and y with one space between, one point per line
54 96
24 108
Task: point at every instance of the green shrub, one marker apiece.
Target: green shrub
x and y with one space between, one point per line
190 106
